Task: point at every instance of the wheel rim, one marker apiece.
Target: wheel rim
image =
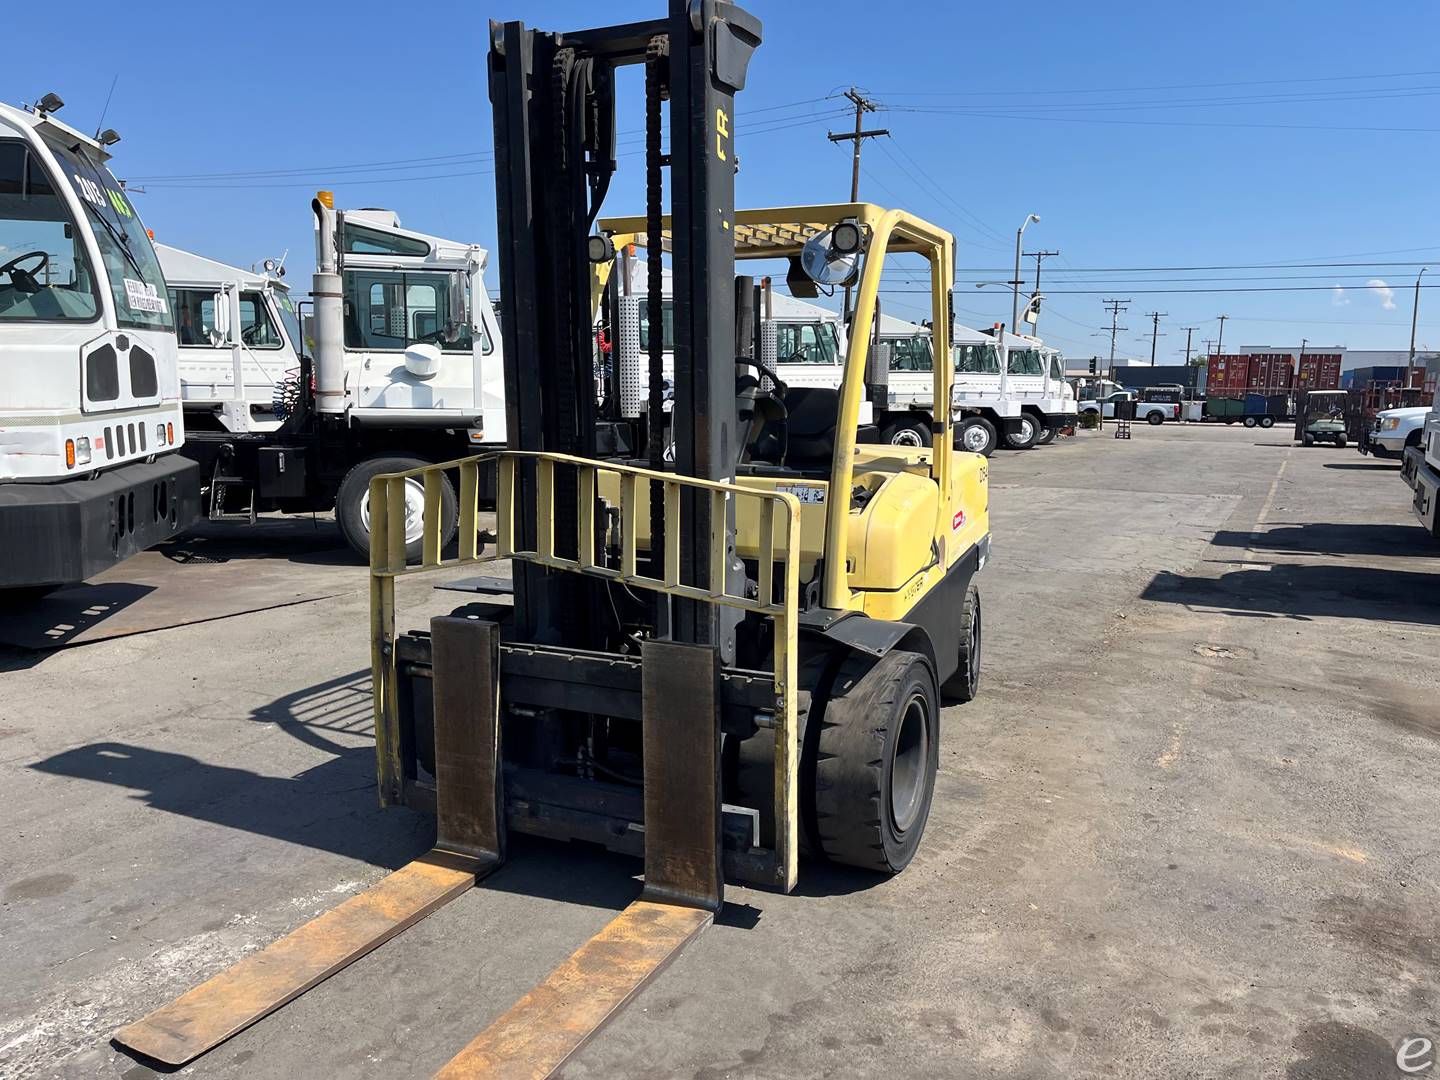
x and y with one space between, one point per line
907 766
414 511
906 437
1027 430
974 439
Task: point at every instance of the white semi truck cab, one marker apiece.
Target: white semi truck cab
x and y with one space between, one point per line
90 417
1421 470
402 369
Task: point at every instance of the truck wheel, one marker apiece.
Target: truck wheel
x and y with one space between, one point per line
352 505
977 435
1308 440
1155 419
963 685
876 756
1267 421
1340 441
1029 432
1046 436
911 431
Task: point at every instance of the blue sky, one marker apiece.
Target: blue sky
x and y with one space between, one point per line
1146 135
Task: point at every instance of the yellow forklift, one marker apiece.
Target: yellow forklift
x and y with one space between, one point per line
732 613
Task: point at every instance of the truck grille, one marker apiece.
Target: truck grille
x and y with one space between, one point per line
143 383
102 377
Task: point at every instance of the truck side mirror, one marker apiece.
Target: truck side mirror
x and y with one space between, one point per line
458 288
220 332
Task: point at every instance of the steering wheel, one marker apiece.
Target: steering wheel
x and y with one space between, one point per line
777 387
24 280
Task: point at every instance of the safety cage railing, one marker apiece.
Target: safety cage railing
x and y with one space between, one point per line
769 521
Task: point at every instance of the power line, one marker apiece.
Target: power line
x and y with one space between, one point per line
1228 124
1178 269
1177 86
1190 292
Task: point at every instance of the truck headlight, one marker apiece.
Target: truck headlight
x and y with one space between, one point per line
1389 423
82 450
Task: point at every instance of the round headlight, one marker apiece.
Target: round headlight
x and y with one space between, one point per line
845 238
599 249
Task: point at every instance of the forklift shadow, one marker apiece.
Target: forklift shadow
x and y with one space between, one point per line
1306 591
333 807
1325 538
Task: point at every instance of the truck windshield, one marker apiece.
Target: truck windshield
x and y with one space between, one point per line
44 275
1057 366
1024 362
287 316
977 359
137 284
911 354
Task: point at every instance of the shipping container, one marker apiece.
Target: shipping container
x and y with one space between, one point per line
1318 371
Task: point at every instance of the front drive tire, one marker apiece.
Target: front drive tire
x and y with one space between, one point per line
352 505
875 762
965 683
976 435
1029 432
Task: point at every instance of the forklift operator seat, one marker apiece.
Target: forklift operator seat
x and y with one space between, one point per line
804 438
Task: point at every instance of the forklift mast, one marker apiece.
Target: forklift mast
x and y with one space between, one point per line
554 103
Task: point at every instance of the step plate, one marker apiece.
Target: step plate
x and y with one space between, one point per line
554 1020
258 985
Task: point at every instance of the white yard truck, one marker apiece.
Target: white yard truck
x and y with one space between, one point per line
1420 468
983 407
404 370
90 418
1057 407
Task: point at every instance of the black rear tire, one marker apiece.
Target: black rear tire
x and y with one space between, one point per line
875 761
1267 421
965 683
1155 419
1029 432
351 500
911 431
1340 441
1046 436
976 435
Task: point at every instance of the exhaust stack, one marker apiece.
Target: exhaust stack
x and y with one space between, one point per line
329 310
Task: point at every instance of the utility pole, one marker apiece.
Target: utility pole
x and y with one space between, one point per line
1038 256
1116 307
1155 317
1220 343
1188 331
862 106
1414 318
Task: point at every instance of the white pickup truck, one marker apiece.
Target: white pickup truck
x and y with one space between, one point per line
1393 431
1152 412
